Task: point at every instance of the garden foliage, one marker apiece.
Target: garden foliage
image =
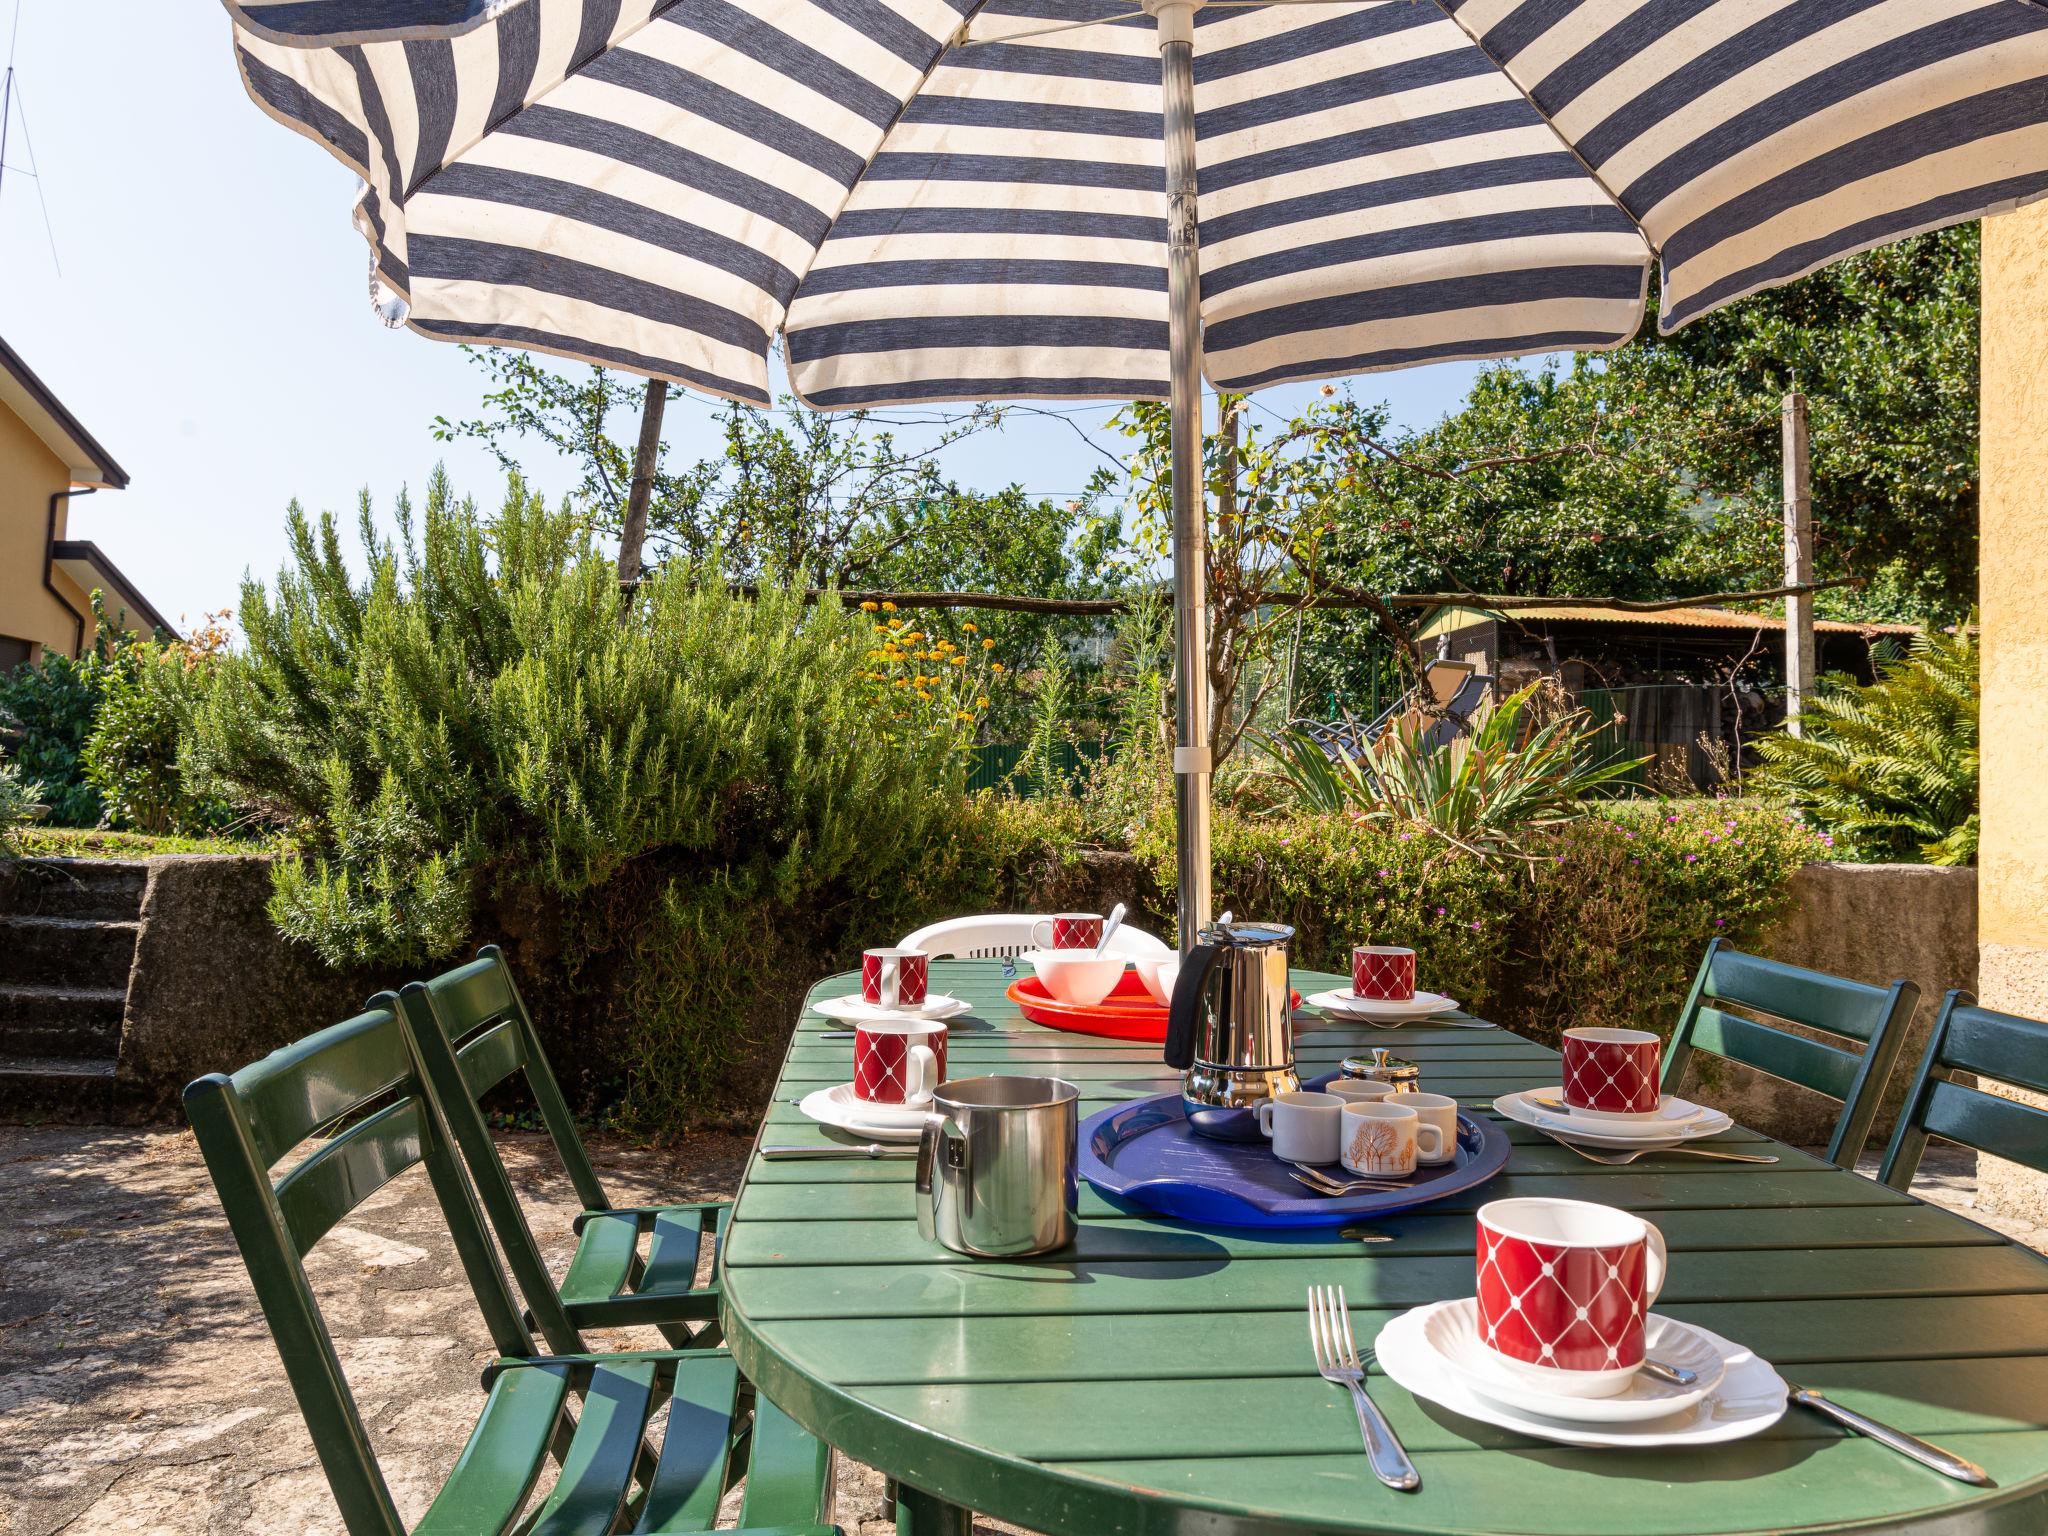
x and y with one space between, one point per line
1602 925
482 733
1890 770
1525 768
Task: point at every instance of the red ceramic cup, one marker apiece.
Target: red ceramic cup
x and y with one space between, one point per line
894 978
898 1061
1068 930
1613 1071
1383 972
1564 1288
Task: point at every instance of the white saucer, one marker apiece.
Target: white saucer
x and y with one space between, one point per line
838 1108
1381 1010
1611 1133
857 1010
1452 1332
1750 1398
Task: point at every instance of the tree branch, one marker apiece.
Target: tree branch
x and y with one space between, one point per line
1328 598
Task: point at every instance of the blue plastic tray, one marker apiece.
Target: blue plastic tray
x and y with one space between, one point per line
1145 1154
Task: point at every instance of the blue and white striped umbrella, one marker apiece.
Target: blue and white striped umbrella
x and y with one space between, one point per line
972 199
929 212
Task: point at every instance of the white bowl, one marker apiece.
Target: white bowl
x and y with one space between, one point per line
1077 976
1158 972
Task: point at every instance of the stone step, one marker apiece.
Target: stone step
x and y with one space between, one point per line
66 951
44 1020
109 889
56 1088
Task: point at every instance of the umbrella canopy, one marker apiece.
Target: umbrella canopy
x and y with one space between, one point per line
977 199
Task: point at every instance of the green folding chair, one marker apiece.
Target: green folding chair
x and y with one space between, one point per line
1973 1041
471 1032
357 1082
1731 985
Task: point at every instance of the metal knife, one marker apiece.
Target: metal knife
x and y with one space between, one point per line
866 1149
1947 1463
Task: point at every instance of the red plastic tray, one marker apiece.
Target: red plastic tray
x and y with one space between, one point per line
1128 1013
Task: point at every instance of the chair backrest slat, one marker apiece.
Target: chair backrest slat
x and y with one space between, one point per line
345 1172
1824 1068
1976 1042
298 1088
2004 1127
1833 1004
492 1057
1875 1017
1999 1045
244 1124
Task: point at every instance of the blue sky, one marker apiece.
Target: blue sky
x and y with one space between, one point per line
211 324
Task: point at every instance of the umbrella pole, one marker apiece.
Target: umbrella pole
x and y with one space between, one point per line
1191 760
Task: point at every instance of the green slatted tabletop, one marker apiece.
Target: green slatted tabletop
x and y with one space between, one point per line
1157 1377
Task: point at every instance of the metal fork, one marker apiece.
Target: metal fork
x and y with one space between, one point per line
1623 1159
1332 1184
1337 1360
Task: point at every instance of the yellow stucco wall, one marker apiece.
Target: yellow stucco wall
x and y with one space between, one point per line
2013 585
29 472
2012 876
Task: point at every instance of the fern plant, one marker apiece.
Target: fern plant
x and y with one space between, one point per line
1889 770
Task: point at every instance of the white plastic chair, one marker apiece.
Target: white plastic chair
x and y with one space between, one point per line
1006 935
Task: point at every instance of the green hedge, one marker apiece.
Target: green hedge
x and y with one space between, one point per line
1603 925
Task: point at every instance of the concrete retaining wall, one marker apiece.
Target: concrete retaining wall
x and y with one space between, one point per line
1868 922
214 985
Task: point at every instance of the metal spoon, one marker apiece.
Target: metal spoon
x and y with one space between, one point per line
1618 1159
1677 1375
1116 921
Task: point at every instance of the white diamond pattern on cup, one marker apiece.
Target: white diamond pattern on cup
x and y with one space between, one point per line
1600 1079
1390 977
1544 1297
882 1081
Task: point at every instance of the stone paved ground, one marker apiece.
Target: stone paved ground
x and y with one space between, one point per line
139 1393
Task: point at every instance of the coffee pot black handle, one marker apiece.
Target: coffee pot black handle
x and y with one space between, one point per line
1184 1012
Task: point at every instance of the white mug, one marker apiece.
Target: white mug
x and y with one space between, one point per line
1303 1126
1358 1090
1441 1113
1382 1137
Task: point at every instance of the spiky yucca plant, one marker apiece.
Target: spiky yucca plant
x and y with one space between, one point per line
1889 770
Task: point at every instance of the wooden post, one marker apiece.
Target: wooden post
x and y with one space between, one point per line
641 490
1799 661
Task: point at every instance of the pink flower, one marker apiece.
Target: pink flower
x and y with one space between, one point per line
1692 858
1439 911
1475 925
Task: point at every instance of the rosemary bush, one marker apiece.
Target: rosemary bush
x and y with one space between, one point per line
481 732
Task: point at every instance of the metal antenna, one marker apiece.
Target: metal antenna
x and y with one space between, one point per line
7 110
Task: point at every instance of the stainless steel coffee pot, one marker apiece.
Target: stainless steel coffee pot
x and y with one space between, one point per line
1230 1027
995 1165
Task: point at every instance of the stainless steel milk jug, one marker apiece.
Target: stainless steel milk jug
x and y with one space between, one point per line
995 1165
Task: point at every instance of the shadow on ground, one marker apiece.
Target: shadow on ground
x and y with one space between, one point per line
140 1394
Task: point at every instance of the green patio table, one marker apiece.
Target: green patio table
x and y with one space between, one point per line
1157 1377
